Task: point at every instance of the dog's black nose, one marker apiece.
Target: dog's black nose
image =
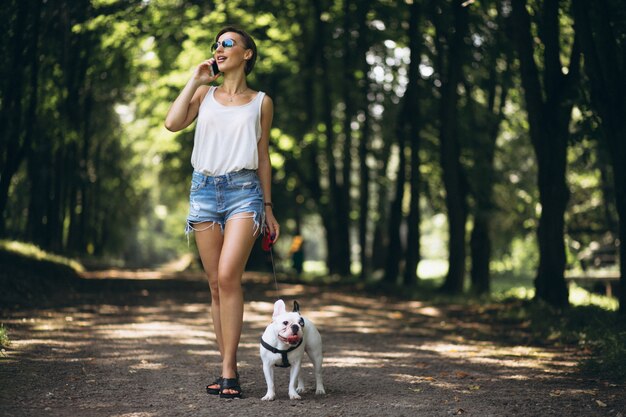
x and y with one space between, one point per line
295 328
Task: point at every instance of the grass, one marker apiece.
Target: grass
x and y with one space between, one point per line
4 337
590 322
30 276
600 333
28 250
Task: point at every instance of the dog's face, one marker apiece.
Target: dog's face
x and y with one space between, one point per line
287 325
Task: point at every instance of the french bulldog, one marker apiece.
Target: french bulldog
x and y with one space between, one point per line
283 344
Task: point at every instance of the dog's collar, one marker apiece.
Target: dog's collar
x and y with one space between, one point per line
283 353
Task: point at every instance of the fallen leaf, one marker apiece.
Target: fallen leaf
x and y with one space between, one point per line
555 393
600 403
459 412
474 387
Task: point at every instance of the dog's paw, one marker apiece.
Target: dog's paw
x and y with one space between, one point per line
294 396
320 391
269 397
300 390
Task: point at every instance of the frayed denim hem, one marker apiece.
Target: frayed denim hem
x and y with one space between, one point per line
191 226
257 230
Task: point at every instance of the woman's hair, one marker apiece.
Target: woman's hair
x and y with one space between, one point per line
248 43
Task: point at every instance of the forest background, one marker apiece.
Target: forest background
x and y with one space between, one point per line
461 143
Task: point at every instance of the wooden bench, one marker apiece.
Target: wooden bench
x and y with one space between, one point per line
605 278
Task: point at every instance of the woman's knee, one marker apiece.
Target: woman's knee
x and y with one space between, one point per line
214 286
229 282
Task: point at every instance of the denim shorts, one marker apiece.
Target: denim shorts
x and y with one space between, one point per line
215 200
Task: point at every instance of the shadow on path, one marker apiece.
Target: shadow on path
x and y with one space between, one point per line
141 344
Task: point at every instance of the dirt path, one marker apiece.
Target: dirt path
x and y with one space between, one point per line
144 347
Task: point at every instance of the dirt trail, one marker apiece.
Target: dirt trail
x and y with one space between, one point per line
143 347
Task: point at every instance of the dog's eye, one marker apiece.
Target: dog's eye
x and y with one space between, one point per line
301 322
285 323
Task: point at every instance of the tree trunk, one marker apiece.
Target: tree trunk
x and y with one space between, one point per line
337 236
413 221
553 194
382 209
496 86
346 163
13 145
482 179
594 25
453 175
548 120
395 251
363 147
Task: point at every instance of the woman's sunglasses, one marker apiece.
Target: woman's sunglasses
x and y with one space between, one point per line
226 43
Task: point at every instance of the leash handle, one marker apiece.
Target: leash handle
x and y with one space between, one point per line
266 245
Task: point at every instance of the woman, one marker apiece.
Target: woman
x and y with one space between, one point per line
231 184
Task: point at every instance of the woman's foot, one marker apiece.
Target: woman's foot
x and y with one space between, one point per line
230 388
215 387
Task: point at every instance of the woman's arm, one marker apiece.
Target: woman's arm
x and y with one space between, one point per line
185 108
265 165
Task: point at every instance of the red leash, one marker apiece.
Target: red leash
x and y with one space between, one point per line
266 245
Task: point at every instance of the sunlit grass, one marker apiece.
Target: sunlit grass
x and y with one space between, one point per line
506 286
579 296
4 337
315 267
31 251
432 268
520 292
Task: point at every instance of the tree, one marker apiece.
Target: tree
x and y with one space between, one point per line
486 97
450 57
19 91
598 29
549 95
412 257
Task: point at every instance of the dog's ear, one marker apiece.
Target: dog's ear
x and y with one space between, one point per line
296 307
279 308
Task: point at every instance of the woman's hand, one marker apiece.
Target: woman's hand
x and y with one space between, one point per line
271 224
203 74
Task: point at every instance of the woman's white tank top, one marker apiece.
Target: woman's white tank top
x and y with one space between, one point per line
226 137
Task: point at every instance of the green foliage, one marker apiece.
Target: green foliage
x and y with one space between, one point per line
31 251
104 179
4 337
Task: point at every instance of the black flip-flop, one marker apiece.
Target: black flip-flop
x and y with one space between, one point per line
215 391
231 384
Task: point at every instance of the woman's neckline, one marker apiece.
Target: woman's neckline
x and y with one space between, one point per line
233 105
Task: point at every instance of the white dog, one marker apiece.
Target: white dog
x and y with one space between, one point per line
283 344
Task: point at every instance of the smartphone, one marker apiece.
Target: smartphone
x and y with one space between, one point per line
214 68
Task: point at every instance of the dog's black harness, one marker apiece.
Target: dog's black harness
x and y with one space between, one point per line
283 353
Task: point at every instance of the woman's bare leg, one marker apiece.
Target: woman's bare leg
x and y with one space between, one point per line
209 240
239 238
